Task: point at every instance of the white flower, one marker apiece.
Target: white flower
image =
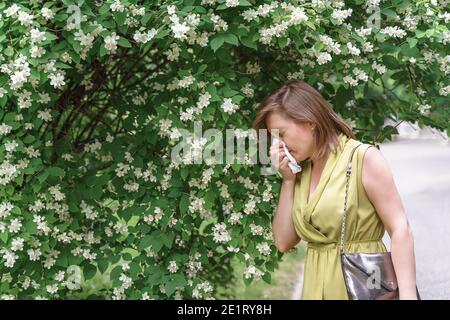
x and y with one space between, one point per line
34 254
52 289
37 52
59 276
424 109
172 266
20 72
15 226
360 74
88 211
5 129
235 218
353 50
179 29
122 169
444 91
341 15
395 32
45 115
57 79
253 271
5 209
232 3
131 187
47 13
228 106
144 37
248 90
11 11
116 6
10 146
381 69
298 15
111 42
146 296
250 207
25 19
185 82
367 47
85 40
17 244
10 258
263 248
221 235
256 230
171 10
350 80
323 57
37 36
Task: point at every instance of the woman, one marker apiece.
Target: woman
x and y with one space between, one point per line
311 202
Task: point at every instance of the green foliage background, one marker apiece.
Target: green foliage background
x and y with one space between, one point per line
86 129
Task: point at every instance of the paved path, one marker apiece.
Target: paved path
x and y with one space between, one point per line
421 170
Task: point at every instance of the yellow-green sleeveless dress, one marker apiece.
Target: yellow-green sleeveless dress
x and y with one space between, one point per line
319 221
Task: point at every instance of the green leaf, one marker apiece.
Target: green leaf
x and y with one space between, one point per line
216 43
244 3
389 13
43 176
4 237
124 42
115 273
184 203
409 51
50 36
168 239
8 51
390 62
63 65
231 39
310 24
102 51
412 42
266 277
170 288
89 271
145 242
184 173
282 42
104 9
56 171
248 42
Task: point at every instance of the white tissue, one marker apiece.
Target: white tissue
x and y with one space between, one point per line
295 168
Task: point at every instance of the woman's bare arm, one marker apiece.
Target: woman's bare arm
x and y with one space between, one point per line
284 233
381 189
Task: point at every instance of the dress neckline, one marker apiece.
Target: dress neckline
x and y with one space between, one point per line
308 204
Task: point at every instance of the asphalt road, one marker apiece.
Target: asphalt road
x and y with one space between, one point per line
421 169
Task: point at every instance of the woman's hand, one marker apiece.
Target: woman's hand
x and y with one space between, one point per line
280 161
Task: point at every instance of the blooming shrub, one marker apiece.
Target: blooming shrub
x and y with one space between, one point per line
93 95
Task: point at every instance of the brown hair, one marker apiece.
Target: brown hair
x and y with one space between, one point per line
302 103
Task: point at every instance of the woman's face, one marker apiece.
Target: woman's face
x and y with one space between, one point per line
297 136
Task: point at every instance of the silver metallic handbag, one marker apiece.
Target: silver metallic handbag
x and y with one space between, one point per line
368 276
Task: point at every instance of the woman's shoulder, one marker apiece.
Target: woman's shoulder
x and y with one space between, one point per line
355 142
